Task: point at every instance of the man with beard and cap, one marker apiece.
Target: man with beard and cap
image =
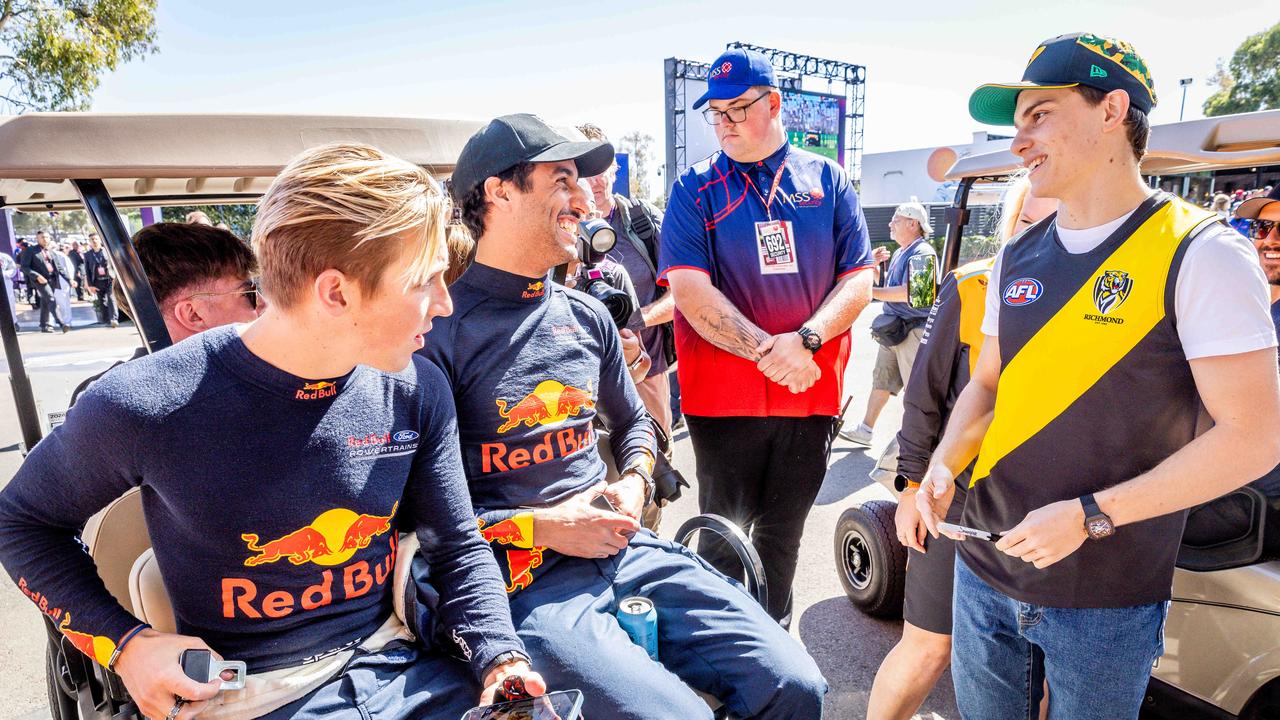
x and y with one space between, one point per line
532 364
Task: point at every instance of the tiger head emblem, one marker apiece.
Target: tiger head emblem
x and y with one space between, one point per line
1111 289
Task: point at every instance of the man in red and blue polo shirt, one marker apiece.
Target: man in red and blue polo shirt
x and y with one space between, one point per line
765 250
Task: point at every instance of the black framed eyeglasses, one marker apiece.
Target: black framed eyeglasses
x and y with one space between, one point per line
249 288
735 114
1260 229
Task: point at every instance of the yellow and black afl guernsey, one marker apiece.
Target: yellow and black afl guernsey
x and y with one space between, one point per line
1094 390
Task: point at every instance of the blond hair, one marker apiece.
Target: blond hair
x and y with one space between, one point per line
347 207
1015 196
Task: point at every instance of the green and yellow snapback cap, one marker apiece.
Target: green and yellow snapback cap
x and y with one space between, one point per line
1068 61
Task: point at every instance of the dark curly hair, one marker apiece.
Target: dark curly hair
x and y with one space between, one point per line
474 205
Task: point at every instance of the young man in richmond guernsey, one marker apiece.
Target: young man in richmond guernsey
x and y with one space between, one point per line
1108 326
276 461
532 364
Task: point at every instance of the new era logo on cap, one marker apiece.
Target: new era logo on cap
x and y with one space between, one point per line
1095 71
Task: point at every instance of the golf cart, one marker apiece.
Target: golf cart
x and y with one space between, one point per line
105 162
1222 637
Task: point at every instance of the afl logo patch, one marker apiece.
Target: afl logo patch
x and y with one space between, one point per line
1023 291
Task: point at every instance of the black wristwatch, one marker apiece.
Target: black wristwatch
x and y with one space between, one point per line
503 659
1096 522
812 341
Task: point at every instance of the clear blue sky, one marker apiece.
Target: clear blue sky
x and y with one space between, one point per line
602 61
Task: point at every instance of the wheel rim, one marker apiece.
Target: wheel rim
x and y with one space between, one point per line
857 560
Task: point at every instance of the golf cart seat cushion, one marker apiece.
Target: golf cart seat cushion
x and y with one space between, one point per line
116 536
148 598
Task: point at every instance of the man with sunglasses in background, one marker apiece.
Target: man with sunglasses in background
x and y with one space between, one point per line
1230 516
202 278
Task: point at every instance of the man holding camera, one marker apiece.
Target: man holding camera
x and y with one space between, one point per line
531 364
910 229
766 252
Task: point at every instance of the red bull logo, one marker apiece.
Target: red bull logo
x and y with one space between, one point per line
535 290
241 597
550 403
331 539
316 391
95 646
524 557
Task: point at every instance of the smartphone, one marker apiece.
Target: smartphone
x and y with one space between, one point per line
562 705
602 503
969 532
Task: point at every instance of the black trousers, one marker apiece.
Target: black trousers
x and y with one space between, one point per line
107 301
763 473
48 305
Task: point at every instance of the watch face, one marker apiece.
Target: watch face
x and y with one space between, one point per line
1099 527
811 342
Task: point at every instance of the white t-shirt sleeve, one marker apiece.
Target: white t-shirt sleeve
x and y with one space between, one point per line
991 317
1222 303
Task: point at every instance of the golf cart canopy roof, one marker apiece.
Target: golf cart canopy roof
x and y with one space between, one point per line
192 159
1216 143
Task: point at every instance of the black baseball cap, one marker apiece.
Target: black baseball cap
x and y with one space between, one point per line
1250 209
1069 61
510 140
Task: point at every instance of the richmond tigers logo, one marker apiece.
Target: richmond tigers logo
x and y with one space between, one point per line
1111 289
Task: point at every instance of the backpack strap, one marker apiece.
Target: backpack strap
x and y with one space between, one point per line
642 226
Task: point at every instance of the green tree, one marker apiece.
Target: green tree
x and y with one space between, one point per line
237 217
639 147
54 51
1251 81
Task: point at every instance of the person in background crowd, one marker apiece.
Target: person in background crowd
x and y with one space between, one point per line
1080 318
76 255
67 283
1222 206
766 251
8 272
1229 517
101 275
37 263
198 217
949 350
911 230
639 226
201 277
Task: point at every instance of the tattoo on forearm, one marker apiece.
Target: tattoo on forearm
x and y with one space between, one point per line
730 331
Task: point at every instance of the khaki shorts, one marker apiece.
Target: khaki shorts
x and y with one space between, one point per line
893 365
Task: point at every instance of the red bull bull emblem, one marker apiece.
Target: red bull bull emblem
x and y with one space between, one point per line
535 290
95 646
331 539
550 403
516 531
316 391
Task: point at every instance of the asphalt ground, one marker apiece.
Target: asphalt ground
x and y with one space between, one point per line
847 645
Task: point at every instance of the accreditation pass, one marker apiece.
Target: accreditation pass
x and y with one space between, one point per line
776 247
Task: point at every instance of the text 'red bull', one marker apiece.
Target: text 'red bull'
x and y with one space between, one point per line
241 597
316 391
499 457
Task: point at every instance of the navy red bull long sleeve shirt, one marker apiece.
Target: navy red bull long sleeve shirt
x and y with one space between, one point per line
271 501
532 364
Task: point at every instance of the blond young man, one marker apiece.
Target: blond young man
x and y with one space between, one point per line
279 458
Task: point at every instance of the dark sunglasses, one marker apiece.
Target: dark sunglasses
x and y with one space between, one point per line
1260 229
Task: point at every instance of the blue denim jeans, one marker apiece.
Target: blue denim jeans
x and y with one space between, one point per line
1097 660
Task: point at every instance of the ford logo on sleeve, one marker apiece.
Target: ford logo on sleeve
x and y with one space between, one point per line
1022 291
405 436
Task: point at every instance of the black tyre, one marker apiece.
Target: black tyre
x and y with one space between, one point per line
872 564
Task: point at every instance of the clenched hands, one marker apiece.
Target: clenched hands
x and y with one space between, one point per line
785 360
576 528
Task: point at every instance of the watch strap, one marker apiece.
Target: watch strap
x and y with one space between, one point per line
504 658
1090 506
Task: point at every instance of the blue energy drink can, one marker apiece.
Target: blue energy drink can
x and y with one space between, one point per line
639 619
